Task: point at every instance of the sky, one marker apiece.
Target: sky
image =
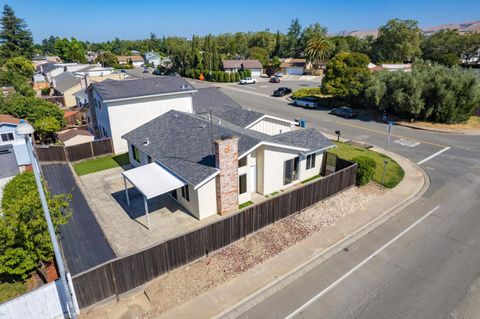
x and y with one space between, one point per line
103 20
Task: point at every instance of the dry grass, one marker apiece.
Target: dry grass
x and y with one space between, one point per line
472 124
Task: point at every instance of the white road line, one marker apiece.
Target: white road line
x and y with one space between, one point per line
434 155
351 271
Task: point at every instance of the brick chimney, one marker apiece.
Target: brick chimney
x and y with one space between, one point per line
226 160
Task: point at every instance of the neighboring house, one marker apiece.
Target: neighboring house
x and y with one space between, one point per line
212 167
75 136
212 102
94 70
236 65
135 60
66 84
81 98
42 59
49 70
152 58
117 107
13 150
293 66
73 117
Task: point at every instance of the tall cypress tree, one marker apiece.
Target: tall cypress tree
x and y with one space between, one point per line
15 38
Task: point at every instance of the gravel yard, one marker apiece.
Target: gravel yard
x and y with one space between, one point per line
185 283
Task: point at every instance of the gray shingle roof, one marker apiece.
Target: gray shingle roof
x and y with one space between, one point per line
211 99
239 116
305 138
183 143
47 67
121 89
65 81
237 64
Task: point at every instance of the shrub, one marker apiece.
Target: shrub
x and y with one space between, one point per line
227 76
248 73
365 170
241 75
237 77
222 76
316 92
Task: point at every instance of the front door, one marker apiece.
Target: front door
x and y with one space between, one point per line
253 179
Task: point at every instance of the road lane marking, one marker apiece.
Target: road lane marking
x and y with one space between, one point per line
434 155
386 133
408 143
351 271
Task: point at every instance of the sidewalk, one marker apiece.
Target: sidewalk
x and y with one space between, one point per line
265 279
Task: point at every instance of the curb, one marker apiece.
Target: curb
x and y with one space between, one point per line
282 281
474 133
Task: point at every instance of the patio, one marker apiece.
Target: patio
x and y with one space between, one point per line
126 227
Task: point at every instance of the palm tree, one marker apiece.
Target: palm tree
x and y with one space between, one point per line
317 50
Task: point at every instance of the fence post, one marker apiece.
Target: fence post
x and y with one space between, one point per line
114 282
91 149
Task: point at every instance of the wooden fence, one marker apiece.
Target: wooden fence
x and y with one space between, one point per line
73 153
125 273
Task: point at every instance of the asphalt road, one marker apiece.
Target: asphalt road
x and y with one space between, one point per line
424 272
83 243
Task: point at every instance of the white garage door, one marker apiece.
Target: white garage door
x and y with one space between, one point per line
295 71
8 163
256 72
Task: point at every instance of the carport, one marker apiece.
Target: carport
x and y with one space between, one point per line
151 180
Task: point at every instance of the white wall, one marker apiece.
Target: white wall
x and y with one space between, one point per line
294 70
251 161
79 139
273 161
304 173
42 303
121 117
272 126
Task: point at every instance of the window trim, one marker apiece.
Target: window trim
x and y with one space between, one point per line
311 158
186 192
239 184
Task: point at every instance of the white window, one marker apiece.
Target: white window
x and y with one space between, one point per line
290 171
311 161
7 137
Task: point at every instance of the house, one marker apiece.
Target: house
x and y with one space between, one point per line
393 67
42 59
135 60
49 70
94 70
293 66
152 58
117 107
237 65
212 102
66 84
13 150
211 167
75 136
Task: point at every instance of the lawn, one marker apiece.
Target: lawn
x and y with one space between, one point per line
100 164
394 173
11 290
245 204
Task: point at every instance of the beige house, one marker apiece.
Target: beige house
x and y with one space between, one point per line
75 136
211 167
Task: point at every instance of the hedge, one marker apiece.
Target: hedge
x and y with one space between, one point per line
216 76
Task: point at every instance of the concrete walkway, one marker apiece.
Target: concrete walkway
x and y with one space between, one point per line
256 284
253 286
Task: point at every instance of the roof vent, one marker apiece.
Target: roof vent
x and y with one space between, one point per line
175 115
203 125
219 122
146 142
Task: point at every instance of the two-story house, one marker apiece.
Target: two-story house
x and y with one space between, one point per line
13 150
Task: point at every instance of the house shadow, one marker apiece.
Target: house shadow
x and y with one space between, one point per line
162 204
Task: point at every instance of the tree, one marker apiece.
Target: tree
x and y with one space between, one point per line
46 128
70 50
24 239
431 92
318 50
21 66
398 41
313 31
292 41
107 58
32 109
443 47
48 45
16 40
346 75
260 54
277 49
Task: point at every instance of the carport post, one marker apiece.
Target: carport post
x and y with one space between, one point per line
146 210
126 190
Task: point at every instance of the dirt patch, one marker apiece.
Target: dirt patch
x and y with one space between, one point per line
183 284
472 124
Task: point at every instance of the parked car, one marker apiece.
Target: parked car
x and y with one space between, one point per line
345 112
274 80
310 102
282 91
248 81
278 74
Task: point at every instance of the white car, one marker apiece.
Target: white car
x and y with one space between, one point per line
248 81
278 74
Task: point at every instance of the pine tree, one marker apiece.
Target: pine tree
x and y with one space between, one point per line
15 38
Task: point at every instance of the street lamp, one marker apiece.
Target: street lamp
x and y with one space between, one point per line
26 130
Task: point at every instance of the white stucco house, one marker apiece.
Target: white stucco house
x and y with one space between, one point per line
135 60
13 150
236 65
211 167
117 107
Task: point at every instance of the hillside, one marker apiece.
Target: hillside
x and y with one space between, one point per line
470 26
